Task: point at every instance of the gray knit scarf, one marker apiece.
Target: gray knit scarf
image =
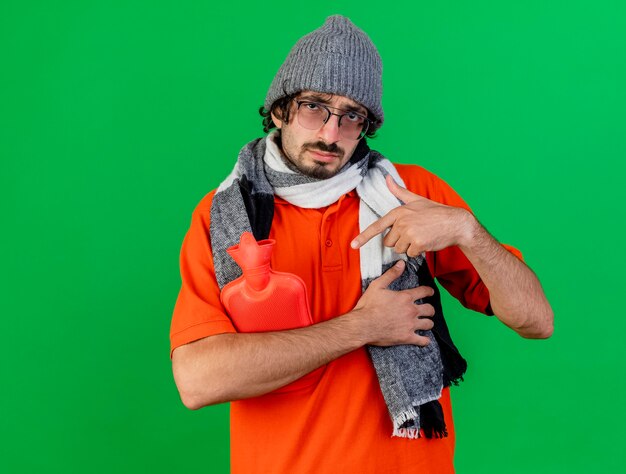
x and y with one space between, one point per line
410 377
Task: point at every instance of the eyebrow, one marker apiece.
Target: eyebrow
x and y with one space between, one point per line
324 100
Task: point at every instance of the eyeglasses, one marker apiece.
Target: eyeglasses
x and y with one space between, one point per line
313 115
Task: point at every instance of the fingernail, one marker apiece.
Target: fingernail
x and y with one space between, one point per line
354 244
400 263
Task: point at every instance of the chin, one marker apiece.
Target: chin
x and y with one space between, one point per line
319 172
315 169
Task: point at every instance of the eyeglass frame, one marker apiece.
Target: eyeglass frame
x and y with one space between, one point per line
366 121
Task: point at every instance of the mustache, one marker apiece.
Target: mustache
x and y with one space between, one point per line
321 146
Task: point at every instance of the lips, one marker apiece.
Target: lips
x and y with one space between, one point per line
322 156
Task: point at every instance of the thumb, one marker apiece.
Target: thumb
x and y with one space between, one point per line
398 191
390 275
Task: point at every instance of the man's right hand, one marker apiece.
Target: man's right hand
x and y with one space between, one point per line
391 317
228 367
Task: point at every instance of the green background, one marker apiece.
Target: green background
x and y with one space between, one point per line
117 117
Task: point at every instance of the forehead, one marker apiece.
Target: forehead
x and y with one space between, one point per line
338 101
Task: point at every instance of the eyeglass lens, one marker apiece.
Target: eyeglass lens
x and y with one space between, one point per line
311 115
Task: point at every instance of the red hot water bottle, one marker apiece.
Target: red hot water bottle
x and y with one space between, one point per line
264 300
261 299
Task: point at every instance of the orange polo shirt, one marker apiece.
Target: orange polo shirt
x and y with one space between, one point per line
336 419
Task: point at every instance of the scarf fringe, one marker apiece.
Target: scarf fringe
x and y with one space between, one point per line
433 424
408 416
409 433
428 420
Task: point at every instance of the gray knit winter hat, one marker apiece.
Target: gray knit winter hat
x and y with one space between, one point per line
337 58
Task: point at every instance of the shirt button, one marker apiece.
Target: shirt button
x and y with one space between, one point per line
329 243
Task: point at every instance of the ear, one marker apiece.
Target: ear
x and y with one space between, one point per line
276 120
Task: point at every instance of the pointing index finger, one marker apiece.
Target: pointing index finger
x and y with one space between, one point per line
372 230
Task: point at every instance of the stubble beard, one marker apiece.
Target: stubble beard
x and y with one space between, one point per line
318 170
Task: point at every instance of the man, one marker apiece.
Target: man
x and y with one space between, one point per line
364 388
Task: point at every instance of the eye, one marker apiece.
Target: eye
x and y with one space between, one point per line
354 117
311 106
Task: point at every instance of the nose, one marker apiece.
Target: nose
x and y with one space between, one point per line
329 132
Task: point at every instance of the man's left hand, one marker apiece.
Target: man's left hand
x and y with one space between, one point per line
420 225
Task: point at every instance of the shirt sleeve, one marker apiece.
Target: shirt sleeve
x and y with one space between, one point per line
450 266
198 312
